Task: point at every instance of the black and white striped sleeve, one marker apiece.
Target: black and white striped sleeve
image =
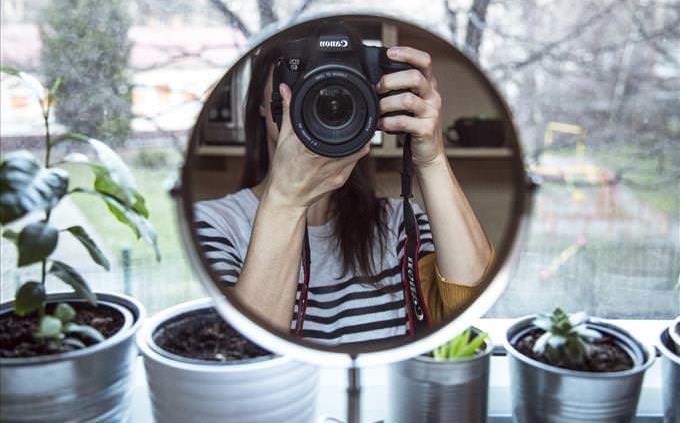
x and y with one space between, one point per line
217 236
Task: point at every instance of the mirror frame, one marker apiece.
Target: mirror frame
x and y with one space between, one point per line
308 351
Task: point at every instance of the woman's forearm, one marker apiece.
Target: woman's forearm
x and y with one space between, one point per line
463 251
268 281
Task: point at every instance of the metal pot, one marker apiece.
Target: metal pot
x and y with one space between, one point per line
543 394
266 389
92 384
670 376
423 389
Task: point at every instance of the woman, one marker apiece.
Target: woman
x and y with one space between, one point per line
254 238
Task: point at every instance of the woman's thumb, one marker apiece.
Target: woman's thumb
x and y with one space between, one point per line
285 92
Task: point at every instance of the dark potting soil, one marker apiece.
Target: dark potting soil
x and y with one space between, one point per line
16 332
603 356
205 336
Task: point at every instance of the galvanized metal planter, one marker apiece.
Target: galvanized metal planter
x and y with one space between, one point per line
88 385
423 389
670 375
544 394
267 389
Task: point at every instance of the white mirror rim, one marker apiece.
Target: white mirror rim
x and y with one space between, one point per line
325 357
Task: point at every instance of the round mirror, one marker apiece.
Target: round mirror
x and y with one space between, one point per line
292 198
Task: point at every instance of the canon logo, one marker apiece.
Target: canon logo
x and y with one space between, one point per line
333 43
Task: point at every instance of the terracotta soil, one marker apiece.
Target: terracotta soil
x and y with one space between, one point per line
16 332
205 336
604 356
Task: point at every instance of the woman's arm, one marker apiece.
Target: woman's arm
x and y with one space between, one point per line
463 251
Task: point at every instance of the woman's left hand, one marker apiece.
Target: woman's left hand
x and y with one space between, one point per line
423 101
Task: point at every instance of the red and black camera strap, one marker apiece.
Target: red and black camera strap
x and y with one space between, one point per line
416 308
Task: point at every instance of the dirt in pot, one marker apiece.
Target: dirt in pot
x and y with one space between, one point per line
203 335
16 332
604 355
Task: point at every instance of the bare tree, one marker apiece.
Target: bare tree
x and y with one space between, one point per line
475 26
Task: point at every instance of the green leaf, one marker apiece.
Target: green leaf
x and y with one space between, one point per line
84 330
10 235
139 225
30 297
36 242
69 275
50 327
52 94
28 79
64 312
9 70
471 348
112 176
26 186
89 244
74 342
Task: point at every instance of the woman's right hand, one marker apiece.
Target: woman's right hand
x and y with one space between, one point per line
300 177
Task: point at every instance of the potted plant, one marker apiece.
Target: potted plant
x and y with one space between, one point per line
200 369
574 369
669 345
450 384
66 356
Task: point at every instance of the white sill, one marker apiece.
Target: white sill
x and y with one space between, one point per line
332 385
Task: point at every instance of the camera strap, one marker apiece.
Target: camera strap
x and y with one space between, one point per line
304 291
416 309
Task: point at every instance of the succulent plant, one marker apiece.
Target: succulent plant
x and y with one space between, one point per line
462 346
566 338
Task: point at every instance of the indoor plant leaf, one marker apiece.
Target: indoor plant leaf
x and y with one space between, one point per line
74 342
10 235
50 327
26 186
64 312
471 348
84 330
541 343
89 244
30 297
69 275
36 241
139 225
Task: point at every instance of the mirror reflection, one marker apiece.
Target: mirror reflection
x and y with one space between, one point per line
302 165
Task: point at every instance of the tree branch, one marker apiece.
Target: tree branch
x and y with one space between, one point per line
232 19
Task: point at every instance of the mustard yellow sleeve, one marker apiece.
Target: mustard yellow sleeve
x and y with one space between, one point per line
444 297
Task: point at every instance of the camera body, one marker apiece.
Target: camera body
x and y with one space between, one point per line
334 106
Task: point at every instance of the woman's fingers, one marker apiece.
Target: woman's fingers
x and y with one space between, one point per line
406 102
411 79
418 127
412 56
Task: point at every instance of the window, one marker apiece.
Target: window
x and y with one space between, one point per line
595 88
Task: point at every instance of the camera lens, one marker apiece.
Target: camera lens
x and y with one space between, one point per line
334 106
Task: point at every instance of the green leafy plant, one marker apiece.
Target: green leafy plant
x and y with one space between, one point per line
462 346
566 338
28 186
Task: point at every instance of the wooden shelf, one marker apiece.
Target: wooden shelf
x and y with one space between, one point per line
377 151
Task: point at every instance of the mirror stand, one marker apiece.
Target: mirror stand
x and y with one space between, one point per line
354 395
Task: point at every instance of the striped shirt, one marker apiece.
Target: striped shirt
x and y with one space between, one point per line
342 308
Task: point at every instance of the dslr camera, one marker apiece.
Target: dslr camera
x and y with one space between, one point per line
334 106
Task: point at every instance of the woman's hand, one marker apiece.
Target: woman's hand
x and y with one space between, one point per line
300 177
423 101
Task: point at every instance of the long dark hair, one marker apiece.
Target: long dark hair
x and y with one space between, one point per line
360 225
